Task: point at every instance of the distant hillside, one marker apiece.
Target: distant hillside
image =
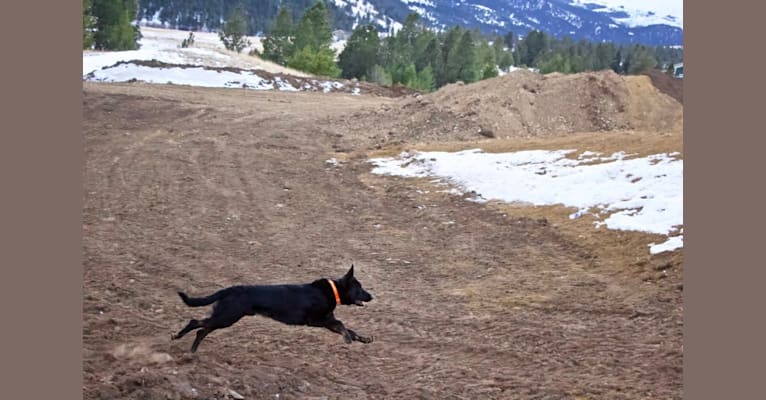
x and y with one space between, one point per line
573 18
209 15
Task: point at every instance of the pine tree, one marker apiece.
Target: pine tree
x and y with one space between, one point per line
189 41
113 29
425 49
509 40
314 29
278 46
517 52
462 61
424 80
407 75
386 53
399 51
407 36
555 62
505 61
498 46
640 60
313 38
401 73
320 62
605 53
234 30
583 57
449 70
88 24
616 64
487 63
379 75
536 43
360 53
433 53
131 7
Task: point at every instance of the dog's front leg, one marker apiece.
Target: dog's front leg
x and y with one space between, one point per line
359 338
348 335
338 327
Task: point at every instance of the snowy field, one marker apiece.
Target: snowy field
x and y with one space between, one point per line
165 45
623 192
199 65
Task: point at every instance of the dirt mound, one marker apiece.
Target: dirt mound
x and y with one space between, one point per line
527 104
667 84
651 110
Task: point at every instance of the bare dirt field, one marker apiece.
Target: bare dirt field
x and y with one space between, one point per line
196 189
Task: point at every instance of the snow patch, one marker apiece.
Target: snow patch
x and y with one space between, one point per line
621 191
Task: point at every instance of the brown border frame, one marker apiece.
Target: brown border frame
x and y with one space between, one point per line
723 313
41 159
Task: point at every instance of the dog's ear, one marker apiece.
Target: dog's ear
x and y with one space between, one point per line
350 273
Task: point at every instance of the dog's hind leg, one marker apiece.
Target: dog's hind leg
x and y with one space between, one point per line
192 325
200 335
224 316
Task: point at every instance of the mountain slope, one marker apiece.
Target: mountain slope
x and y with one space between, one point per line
592 20
558 17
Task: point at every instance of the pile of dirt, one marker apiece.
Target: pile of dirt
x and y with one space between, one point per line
667 84
526 104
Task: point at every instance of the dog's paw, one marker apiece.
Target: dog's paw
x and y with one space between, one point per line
364 339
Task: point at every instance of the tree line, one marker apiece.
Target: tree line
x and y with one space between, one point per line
414 56
424 59
207 15
549 54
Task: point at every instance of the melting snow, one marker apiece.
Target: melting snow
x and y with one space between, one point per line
632 193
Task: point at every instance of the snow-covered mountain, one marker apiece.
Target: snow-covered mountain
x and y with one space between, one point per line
650 22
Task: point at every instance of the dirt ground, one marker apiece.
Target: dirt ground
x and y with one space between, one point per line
196 189
667 84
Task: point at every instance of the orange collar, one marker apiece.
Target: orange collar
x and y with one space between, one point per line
334 291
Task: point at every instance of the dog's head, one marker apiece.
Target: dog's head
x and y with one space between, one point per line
352 291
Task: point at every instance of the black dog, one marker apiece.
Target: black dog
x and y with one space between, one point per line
310 304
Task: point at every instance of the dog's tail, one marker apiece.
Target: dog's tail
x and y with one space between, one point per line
201 301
